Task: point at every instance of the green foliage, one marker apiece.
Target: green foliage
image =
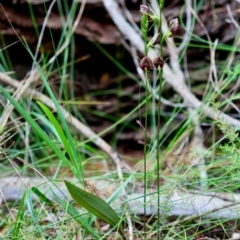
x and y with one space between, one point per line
231 147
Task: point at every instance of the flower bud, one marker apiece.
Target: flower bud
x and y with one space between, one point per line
144 9
158 62
173 25
146 64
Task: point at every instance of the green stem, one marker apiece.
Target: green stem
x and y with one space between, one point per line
145 150
161 4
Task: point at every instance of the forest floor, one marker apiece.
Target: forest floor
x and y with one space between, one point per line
88 58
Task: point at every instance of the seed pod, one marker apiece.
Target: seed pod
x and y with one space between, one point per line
146 64
158 62
173 25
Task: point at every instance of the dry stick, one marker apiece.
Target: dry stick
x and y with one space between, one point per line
75 24
212 54
79 126
21 88
124 27
42 31
129 16
216 84
87 132
179 202
174 77
175 65
213 70
197 216
231 16
186 35
197 143
25 83
235 47
28 151
212 51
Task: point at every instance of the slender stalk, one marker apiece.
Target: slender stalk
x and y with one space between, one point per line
161 3
145 153
144 29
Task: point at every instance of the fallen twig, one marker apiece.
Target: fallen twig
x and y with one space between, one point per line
174 76
87 132
174 202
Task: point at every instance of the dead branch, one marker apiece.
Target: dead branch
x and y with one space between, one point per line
174 202
174 76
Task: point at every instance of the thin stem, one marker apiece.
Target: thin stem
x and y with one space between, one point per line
161 3
145 151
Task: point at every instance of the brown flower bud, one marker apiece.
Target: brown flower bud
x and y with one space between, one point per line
158 62
146 64
144 9
173 25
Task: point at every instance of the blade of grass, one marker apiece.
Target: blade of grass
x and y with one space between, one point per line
59 130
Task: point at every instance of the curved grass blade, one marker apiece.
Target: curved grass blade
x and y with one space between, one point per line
41 196
58 128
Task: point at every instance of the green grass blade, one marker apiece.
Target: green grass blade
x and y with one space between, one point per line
29 204
117 192
58 128
19 218
41 196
